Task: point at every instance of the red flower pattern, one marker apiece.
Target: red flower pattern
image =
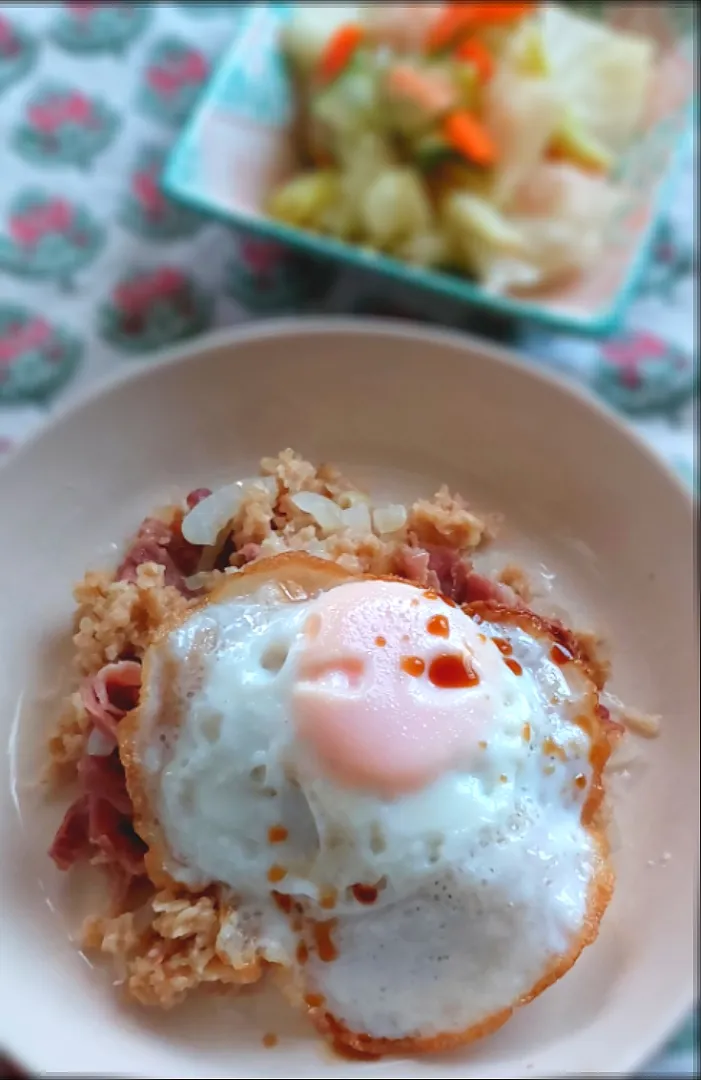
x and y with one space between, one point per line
168 76
21 338
629 354
261 257
9 45
63 109
29 227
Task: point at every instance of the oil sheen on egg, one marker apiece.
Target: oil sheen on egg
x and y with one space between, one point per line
401 798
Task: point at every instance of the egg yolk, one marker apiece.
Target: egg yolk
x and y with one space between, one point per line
391 690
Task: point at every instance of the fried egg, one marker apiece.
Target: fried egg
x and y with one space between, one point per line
402 798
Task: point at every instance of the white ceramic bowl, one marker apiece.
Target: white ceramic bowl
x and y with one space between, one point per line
404 409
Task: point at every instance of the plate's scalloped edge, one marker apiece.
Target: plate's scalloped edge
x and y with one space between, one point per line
181 181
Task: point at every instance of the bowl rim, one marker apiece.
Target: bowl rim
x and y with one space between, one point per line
354 326
274 330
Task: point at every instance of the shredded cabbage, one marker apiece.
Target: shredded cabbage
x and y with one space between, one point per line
522 115
395 207
565 98
604 75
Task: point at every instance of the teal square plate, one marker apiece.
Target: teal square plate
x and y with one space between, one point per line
237 147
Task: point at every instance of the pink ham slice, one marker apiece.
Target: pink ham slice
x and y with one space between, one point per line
100 819
451 573
413 564
458 580
158 542
110 694
196 497
72 839
103 777
250 552
113 834
475 587
450 569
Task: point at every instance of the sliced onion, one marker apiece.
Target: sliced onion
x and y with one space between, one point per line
357 518
324 511
205 522
389 519
99 744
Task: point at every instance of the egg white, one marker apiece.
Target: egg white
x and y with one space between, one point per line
484 877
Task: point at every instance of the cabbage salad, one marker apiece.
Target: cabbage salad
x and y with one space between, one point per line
482 138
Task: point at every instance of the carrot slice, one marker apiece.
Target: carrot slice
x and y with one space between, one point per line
459 19
476 53
339 51
452 22
465 134
487 14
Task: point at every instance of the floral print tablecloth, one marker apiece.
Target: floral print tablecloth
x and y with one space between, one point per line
98 269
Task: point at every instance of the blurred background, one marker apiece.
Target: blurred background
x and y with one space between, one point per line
100 269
